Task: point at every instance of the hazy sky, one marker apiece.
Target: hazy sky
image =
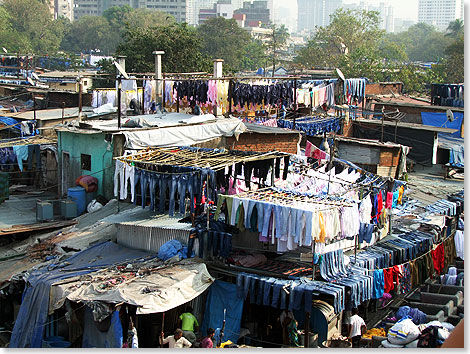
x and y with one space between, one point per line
406 9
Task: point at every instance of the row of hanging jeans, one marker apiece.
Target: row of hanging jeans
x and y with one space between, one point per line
443 206
354 88
288 294
174 180
217 241
395 251
258 94
194 90
312 126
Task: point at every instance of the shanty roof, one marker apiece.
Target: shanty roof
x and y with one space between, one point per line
67 74
45 114
406 125
369 142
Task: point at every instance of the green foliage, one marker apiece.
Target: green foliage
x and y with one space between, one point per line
349 31
254 56
27 26
89 33
422 42
224 39
182 46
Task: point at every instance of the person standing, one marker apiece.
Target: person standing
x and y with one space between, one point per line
176 340
189 324
285 318
357 328
207 341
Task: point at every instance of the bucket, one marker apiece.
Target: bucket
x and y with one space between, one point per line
78 195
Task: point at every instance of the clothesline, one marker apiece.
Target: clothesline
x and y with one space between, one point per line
215 160
412 260
271 194
34 140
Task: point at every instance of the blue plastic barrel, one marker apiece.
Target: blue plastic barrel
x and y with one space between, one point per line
78 195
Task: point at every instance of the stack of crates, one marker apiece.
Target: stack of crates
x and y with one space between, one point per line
4 187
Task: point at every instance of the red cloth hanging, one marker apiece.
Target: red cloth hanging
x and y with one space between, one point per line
438 258
388 280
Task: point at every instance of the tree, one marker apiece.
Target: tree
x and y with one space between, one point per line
224 39
87 34
348 30
455 28
181 44
278 41
422 42
254 56
454 62
31 19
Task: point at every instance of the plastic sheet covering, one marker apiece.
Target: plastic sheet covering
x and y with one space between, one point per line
158 287
184 135
223 295
30 323
94 338
440 120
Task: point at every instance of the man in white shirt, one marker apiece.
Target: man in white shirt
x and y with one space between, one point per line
175 341
357 328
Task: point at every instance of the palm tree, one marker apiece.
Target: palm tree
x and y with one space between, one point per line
455 28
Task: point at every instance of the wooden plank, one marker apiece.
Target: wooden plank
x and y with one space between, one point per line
18 229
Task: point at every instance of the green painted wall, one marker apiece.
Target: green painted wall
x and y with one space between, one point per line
102 164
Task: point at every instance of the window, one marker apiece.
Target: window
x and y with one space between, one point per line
85 162
85 82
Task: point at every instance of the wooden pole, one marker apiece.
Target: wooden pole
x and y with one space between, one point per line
307 330
383 118
34 106
143 98
295 102
79 98
230 89
119 102
63 112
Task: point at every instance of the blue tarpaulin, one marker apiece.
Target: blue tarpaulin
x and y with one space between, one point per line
223 295
453 141
437 119
30 323
7 121
94 338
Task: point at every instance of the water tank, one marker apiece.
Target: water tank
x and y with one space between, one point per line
78 195
44 211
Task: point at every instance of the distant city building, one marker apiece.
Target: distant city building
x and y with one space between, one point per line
257 13
179 9
313 13
61 8
223 8
285 16
440 13
387 20
402 25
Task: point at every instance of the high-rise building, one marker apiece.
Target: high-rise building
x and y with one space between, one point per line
223 8
61 8
387 19
179 9
440 13
257 13
315 13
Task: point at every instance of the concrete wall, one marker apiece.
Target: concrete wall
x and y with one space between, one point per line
384 88
102 164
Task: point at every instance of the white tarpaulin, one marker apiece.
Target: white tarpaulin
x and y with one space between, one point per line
152 288
184 135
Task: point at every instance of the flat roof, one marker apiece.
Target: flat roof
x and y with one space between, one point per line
406 125
370 142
